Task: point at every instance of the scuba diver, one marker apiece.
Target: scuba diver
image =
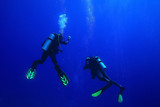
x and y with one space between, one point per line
98 69
50 48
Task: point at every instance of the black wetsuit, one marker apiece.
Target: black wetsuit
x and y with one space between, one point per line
94 66
52 51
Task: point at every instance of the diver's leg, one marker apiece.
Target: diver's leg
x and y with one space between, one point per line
62 76
111 81
101 77
115 83
119 98
41 61
118 85
32 71
57 67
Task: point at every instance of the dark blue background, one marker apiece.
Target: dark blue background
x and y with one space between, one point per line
125 34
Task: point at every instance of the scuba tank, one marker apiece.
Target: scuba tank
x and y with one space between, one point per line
102 66
48 42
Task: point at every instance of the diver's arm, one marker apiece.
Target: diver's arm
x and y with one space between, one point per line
65 42
86 66
93 74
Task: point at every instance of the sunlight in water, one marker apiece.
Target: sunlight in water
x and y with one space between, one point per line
90 16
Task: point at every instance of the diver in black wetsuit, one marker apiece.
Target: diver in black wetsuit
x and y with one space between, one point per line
98 69
50 48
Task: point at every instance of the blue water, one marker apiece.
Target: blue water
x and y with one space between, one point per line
124 33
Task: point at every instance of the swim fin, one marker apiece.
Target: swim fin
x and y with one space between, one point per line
97 93
100 91
31 74
63 78
120 98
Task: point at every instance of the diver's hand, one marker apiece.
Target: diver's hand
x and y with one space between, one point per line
69 37
93 77
60 50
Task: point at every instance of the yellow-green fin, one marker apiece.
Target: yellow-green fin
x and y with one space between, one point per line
30 74
64 80
97 93
120 98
